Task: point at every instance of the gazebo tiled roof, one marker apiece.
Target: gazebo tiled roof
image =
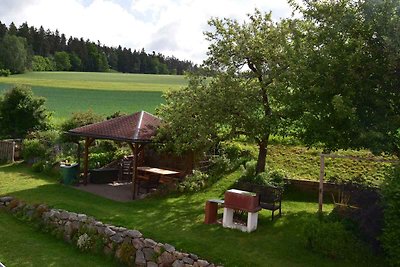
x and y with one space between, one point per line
139 127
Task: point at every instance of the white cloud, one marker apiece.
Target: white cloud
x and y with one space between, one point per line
171 27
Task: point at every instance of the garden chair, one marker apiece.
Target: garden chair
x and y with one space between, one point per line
126 169
270 198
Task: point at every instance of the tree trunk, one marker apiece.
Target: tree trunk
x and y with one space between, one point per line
262 155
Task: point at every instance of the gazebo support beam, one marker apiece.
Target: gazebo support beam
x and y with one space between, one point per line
135 150
88 143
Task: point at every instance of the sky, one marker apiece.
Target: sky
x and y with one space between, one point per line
171 27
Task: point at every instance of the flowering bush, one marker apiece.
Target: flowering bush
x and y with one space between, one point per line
84 242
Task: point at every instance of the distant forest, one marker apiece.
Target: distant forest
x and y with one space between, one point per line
29 48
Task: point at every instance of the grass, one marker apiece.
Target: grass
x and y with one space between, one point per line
104 93
177 219
98 81
304 163
63 102
23 245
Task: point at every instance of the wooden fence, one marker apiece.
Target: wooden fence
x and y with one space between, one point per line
7 151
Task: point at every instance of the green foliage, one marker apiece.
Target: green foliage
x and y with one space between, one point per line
391 232
330 238
194 182
97 160
62 61
234 101
78 119
13 53
40 145
343 78
33 149
40 63
22 112
271 177
5 72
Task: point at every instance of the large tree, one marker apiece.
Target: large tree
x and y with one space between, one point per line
347 70
243 97
13 53
21 112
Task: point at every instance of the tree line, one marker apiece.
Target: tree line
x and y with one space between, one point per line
27 47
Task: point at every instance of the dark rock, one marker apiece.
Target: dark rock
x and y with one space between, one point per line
81 217
133 233
64 215
150 243
193 256
166 259
139 259
169 247
203 263
137 243
6 199
149 254
109 232
117 238
73 216
188 260
178 263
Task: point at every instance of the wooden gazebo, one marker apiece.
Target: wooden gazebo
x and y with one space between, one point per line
136 130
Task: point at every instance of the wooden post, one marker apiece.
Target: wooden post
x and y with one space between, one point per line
135 151
321 183
88 142
13 152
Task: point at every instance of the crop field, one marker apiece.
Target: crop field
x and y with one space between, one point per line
104 93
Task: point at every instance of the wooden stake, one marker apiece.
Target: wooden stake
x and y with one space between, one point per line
321 183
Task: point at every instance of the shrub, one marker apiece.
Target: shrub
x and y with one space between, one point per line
271 177
41 146
33 149
330 238
220 165
194 182
391 231
22 112
84 242
98 160
5 72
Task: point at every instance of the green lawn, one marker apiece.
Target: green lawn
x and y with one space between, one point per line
104 93
23 245
178 220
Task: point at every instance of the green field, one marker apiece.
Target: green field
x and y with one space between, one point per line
104 93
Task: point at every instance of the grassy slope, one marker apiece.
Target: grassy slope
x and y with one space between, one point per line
104 93
24 245
303 163
178 220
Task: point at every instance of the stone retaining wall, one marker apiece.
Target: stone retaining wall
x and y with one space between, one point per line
127 245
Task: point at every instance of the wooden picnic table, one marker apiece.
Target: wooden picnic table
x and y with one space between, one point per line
165 176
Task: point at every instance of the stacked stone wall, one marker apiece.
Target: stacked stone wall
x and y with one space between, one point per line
128 246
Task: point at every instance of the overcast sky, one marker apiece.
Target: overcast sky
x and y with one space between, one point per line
172 27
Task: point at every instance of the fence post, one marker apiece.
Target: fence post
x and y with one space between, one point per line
321 183
13 152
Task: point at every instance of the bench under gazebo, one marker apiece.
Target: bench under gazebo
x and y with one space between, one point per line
136 130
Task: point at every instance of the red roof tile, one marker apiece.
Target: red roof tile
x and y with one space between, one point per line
138 127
